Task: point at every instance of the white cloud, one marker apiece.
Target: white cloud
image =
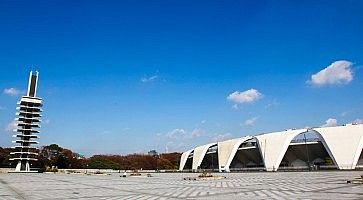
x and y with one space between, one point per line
176 139
12 91
11 126
174 147
181 134
176 133
250 122
105 132
247 96
358 121
272 104
149 79
201 123
345 113
235 107
339 72
221 137
330 122
197 133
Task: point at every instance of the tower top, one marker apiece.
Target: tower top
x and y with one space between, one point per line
33 83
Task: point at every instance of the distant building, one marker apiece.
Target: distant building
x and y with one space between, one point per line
28 123
152 153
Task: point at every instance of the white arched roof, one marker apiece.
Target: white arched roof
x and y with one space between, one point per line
184 158
345 143
227 150
199 153
273 146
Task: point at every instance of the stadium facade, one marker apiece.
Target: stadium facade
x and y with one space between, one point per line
337 147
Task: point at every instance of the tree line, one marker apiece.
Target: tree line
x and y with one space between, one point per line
62 158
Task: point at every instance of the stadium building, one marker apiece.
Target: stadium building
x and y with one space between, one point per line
337 147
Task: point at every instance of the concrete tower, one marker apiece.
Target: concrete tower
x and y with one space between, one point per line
28 123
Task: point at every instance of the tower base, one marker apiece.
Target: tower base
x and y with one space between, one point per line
23 172
22 167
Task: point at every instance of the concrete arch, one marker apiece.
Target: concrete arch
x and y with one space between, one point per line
273 146
326 146
224 152
358 153
320 139
345 148
227 150
184 158
199 153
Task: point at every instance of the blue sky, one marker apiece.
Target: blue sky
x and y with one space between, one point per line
120 77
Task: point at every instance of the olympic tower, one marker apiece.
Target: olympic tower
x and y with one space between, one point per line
28 124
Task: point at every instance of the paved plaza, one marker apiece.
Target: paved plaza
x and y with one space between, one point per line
283 185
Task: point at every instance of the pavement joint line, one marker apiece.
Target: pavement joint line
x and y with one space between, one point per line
124 190
209 195
14 190
334 188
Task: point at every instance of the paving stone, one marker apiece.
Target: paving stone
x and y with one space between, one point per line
279 185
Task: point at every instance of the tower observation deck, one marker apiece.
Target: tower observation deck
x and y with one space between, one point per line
28 124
